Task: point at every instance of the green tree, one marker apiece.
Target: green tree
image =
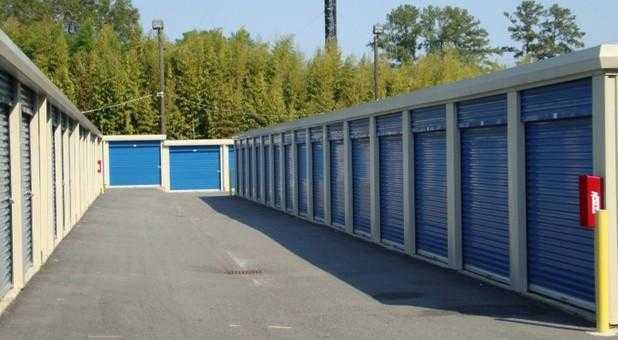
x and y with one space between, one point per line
44 42
560 33
543 33
402 33
446 28
524 26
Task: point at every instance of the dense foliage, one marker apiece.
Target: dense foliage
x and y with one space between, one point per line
218 85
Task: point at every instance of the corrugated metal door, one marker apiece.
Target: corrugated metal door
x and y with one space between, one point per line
391 179
258 164
288 163
54 145
267 173
135 163
337 169
6 235
66 175
302 177
249 170
558 149
195 168
361 217
484 186
232 167
289 173
317 154
277 171
430 202
26 187
242 170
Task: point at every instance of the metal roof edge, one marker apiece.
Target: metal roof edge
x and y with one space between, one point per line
26 72
120 138
584 61
196 142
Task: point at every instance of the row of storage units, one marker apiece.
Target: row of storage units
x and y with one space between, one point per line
174 165
49 174
480 176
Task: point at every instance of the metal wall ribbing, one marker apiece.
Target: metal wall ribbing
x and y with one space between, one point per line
301 172
361 209
337 168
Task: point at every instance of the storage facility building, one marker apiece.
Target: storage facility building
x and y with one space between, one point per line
49 168
480 176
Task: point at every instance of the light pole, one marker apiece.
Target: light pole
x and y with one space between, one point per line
377 31
157 25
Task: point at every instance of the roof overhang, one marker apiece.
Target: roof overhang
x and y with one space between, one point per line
603 58
16 63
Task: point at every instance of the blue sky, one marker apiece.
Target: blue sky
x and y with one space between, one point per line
269 19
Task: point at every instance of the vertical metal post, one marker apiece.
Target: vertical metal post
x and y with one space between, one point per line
409 220
158 26
517 194
377 30
601 241
453 179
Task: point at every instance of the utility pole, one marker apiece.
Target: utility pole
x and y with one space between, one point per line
157 25
330 21
377 31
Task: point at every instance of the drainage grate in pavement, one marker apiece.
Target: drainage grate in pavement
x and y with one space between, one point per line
243 272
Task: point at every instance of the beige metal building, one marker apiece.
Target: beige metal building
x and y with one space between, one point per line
50 169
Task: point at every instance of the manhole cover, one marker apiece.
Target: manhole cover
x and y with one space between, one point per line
243 272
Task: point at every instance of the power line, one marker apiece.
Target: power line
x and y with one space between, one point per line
118 104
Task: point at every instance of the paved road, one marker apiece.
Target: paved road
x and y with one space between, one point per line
143 264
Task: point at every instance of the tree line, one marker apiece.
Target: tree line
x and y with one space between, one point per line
218 85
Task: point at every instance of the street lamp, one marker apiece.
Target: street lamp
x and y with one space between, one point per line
377 31
157 25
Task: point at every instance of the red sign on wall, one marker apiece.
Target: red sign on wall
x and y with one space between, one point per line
591 199
99 166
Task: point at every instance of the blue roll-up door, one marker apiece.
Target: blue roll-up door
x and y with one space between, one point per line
391 179
267 174
430 200
558 150
484 186
361 210
26 187
302 178
232 167
277 177
337 169
258 172
241 170
195 168
135 163
289 177
27 100
6 234
55 118
250 170
317 154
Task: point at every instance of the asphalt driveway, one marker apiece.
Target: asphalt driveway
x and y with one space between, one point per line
143 264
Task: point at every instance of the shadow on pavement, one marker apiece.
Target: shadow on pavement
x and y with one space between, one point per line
389 277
